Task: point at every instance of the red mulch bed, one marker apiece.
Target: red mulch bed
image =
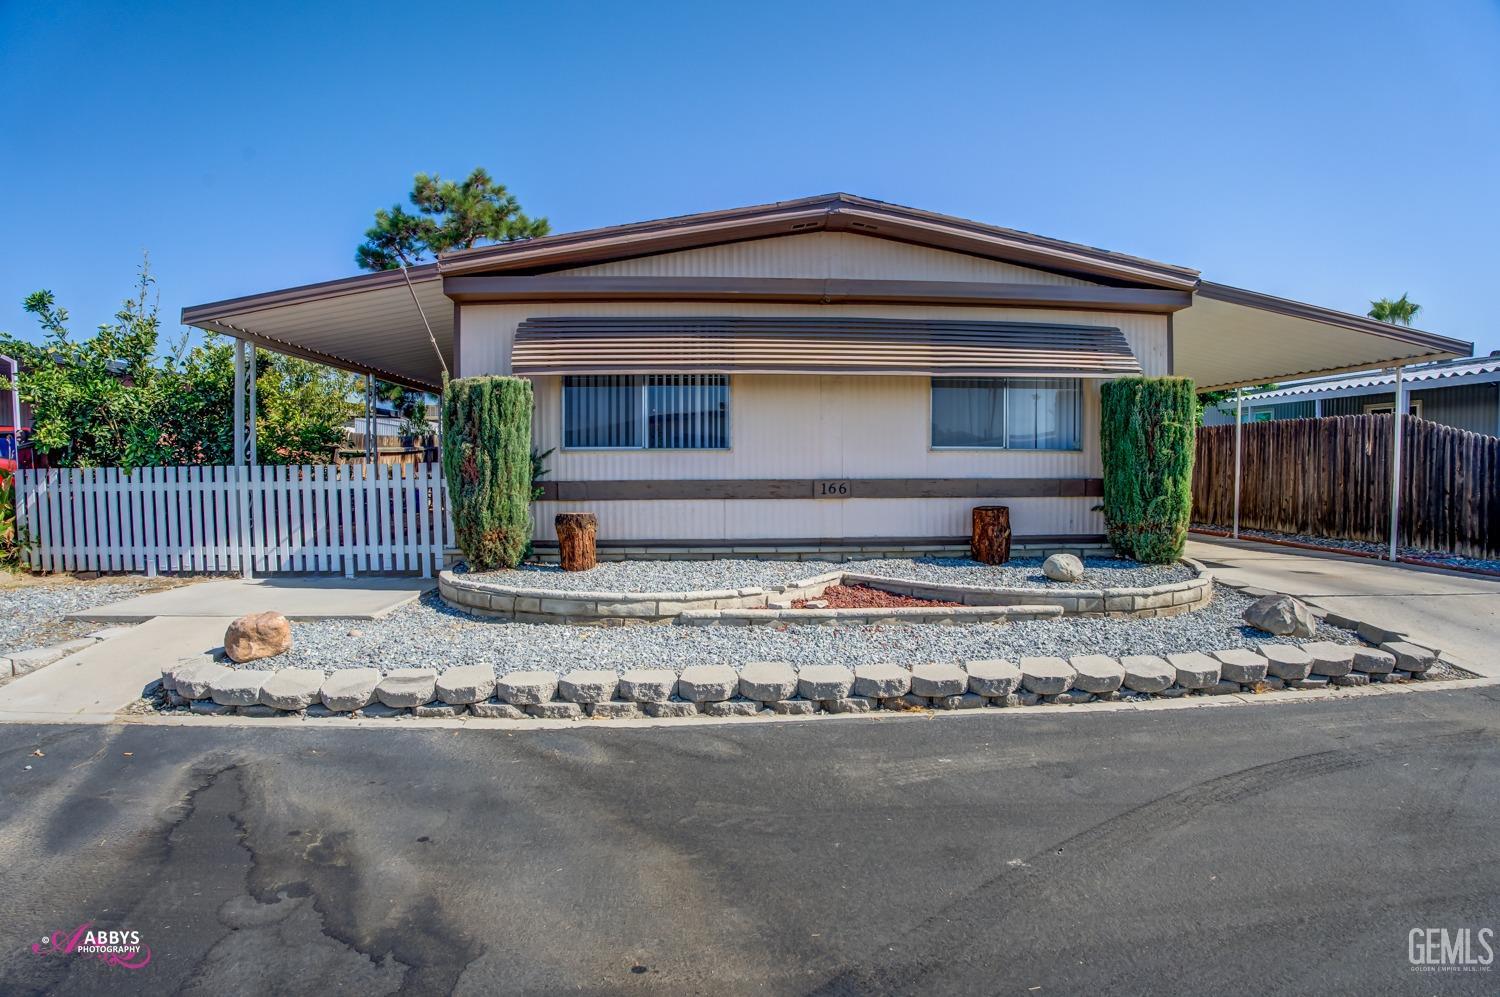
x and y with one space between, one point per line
865 597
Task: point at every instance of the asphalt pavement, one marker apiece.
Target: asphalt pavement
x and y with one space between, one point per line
1288 848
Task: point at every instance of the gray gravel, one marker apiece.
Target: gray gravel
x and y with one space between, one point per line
32 615
1366 547
684 576
429 633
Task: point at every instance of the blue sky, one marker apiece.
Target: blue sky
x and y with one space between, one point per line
1327 152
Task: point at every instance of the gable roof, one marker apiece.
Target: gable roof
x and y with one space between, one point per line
837 212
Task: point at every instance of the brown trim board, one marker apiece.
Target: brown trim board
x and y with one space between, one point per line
679 490
834 542
830 212
798 290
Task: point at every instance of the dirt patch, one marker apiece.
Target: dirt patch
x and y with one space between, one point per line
865 597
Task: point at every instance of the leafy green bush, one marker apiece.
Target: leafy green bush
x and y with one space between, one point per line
1147 429
109 400
13 543
488 465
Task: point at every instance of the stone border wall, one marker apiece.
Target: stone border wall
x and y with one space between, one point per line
204 685
773 605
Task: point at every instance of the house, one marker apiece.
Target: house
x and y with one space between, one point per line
829 373
1464 394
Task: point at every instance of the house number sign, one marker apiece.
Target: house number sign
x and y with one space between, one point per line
833 489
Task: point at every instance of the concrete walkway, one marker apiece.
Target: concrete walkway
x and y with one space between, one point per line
1455 612
97 682
298 599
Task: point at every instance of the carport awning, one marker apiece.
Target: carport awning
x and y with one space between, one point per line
1226 338
818 345
366 324
1235 338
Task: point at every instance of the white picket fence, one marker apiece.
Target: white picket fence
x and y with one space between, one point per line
317 518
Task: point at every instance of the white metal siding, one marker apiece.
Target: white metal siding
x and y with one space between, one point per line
807 426
825 254
820 519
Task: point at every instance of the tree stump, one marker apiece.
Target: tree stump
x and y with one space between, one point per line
989 539
575 540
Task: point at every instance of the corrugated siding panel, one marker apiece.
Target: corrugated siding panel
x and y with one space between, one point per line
489 330
825 254
820 344
732 519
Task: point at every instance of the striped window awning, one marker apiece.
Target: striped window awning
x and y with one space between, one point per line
818 345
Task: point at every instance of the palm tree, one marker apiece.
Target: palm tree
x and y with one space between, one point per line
1398 312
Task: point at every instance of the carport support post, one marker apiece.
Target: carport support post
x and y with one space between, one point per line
1239 429
1398 413
372 446
239 402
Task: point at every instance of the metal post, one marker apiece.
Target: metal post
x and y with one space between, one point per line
372 449
239 402
252 430
1398 413
1239 429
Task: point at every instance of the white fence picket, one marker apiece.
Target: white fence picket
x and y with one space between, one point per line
346 519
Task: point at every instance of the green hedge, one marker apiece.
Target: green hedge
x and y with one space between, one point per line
487 463
1146 435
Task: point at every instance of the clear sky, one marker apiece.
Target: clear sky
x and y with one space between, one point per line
1331 153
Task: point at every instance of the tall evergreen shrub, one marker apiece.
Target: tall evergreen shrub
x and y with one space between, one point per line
1147 435
487 463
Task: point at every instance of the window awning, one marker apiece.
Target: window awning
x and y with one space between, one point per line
818 345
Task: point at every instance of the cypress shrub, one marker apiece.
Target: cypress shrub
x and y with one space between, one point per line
1146 434
487 464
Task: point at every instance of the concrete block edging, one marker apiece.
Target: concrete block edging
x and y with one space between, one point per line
752 605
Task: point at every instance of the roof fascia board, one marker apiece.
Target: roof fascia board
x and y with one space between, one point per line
1439 346
841 213
196 315
492 288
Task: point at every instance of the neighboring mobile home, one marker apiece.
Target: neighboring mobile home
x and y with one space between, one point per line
831 372
1464 394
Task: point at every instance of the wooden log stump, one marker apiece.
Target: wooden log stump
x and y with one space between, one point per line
989 539
575 540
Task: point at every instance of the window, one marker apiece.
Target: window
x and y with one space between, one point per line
646 412
1413 408
1012 413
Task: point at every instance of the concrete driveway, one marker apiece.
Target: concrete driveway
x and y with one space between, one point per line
1456 612
1270 849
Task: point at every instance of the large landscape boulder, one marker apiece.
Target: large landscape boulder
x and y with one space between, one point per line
1281 615
256 636
1063 568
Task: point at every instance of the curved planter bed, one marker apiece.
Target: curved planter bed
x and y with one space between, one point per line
773 604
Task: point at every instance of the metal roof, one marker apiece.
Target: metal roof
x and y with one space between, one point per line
1471 370
1222 337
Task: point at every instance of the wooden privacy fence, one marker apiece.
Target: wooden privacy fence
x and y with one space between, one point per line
311 518
1330 477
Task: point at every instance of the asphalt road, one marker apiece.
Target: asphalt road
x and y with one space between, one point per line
1267 849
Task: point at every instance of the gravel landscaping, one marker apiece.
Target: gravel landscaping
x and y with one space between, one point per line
32 613
1365 547
431 634
686 576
